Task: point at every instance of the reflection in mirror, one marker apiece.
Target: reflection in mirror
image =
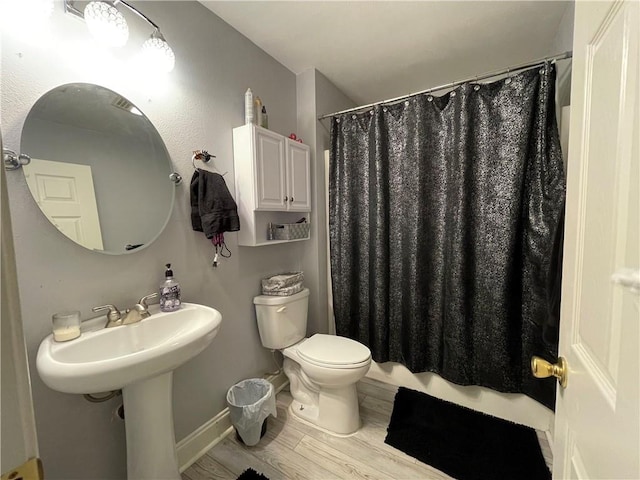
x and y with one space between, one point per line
99 169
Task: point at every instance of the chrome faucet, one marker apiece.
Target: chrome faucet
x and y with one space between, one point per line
142 307
114 317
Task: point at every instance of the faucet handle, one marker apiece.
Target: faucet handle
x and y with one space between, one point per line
113 315
143 301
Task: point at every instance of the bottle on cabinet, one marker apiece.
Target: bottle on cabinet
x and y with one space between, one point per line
248 107
258 105
254 110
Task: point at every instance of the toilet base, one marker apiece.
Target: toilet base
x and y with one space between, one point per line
337 412
297 415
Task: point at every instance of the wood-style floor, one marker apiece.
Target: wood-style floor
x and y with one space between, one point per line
292 449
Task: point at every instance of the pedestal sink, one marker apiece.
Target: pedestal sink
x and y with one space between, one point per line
139 359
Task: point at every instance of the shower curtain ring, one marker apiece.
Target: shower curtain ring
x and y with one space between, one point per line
508 79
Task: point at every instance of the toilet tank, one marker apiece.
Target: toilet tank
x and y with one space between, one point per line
282 321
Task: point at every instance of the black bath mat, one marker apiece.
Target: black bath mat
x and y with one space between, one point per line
251 474
465 444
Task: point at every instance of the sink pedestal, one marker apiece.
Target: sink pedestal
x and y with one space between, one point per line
151 446
106 359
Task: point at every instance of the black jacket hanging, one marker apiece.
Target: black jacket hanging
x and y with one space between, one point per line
213 209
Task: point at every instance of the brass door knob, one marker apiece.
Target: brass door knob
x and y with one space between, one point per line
543 369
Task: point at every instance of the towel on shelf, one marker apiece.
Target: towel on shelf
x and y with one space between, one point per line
213 209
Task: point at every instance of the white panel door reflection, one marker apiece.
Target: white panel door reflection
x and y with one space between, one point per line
65 194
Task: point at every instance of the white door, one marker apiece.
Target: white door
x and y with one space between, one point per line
298 176
597 430
65 194
270 170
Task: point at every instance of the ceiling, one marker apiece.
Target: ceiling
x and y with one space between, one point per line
375 50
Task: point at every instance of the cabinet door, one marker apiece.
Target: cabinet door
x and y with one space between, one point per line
298 176
270 171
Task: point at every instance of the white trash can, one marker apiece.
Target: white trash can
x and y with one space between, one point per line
250 402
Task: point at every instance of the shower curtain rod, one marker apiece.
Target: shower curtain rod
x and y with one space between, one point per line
522 66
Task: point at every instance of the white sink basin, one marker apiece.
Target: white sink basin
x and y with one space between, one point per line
105 359
139 359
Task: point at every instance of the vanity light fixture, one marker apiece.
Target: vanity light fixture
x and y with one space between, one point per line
157 53
107 24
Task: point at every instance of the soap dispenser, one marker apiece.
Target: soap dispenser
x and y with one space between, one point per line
169 292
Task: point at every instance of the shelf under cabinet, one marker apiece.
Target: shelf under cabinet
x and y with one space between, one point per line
273 242
253 233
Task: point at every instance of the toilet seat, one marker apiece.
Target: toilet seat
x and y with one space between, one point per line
331 351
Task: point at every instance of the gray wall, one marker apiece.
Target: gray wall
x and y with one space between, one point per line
317 96
196 106
563 42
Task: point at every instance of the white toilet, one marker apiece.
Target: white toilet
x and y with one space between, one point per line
322 370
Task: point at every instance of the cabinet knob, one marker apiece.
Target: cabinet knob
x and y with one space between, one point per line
286 199
291 199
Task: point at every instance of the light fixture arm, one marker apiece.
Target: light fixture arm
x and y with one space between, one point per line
139 13
70 7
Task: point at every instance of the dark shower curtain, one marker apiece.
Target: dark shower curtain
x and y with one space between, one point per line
443 215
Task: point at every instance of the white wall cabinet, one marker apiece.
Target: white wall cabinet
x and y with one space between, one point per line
273 182
298 176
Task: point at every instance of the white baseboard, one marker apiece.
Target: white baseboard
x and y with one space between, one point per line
198 442
278 380
201 440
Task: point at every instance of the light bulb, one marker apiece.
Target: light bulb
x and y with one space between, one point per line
157 54
106 24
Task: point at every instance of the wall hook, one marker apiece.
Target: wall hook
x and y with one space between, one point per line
13 161
201 155
204 157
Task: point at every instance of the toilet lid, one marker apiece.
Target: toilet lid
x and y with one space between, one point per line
333 350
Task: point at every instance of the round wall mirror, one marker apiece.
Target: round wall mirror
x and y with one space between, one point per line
99 170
